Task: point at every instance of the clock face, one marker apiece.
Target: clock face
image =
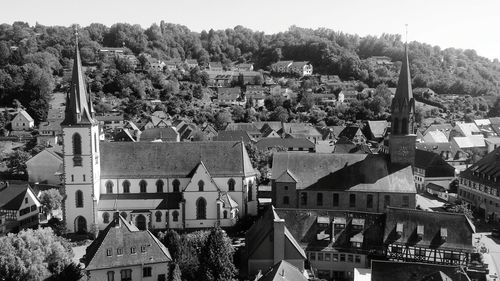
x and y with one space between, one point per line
404 151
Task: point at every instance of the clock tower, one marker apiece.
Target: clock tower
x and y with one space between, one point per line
402 139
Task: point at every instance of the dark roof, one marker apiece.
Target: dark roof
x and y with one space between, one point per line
267 143
236 135
164 201
486 170
11 196
120 234
283 271
349 132
173 158
354 172
166 133
433 164
398 271
458 229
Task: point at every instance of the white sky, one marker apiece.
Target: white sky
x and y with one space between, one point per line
463 24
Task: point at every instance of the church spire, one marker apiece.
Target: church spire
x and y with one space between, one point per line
79 110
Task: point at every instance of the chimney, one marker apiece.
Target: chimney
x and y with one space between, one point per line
279 240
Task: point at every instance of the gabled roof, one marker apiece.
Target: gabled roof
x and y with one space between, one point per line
458 228
119 159
354 172
267 143
283 271
120 234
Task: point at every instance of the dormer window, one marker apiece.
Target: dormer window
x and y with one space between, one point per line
399 228
444 233
420 231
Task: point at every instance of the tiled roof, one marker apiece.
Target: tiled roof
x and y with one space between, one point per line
139 159
354 172
121 201
120 234
433 164
11 196
458 229
267 143
398 271
283 271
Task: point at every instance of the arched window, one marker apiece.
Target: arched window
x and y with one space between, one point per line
176 185
201 185
159 186
230 184
124 215
142 185
109 187
225 214
175 216
201 209
126 186
105 217
77 144
79 199
158 216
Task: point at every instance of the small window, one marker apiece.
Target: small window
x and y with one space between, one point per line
146 272
109 252
230 184
126 186
201 185
158 216
142 185
176 185
286 200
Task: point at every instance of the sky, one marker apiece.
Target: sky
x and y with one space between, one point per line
462 24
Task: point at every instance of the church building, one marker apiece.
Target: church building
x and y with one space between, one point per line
152 185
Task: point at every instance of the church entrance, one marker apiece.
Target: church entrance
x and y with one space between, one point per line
80 225
140 222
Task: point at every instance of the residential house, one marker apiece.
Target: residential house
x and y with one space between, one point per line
431 168
479 186
22 121
269 242
355 182
166 134
19 205
45 167
123 252
428 237
291 144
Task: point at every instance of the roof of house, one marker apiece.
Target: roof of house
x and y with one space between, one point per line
433 164
435 136
398 271
236 135
354 172
456 228
120 234
173 158
470 141
12 195
267 143
166 133
283 271
378 128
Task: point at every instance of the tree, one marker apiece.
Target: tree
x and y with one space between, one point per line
216 260
34 255
16 163
51 199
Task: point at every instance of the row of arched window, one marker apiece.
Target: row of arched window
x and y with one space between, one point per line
160 184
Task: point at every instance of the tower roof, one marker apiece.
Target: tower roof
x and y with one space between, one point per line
79 109
404 94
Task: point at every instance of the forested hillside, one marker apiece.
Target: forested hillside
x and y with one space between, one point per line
32 57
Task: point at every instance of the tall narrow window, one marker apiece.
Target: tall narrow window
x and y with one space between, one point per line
142 185
109 187
230 184
176 184
126 186
79 199
201 209
319 199
369 201
201 185
159 186
77 144
352 200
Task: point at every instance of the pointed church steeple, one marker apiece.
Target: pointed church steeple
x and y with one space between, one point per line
79 109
